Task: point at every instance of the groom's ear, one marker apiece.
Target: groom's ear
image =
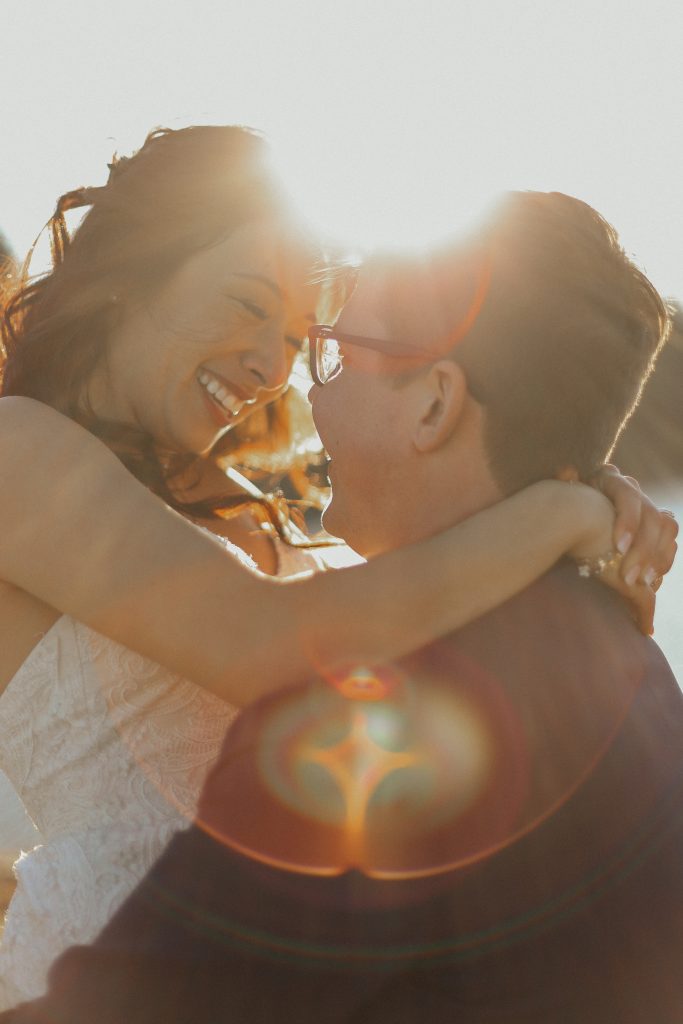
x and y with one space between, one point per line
441 403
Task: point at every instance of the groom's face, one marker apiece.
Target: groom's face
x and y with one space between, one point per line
363 419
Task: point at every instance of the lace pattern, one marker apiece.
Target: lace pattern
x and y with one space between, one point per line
109 752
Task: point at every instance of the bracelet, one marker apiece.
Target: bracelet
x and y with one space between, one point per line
588 567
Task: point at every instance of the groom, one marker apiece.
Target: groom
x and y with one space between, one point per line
491 829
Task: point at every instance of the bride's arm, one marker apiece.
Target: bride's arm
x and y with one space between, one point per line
78 532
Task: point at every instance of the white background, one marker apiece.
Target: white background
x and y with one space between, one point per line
396 119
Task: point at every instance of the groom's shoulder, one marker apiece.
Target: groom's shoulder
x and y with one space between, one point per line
561 681
561 621
564 657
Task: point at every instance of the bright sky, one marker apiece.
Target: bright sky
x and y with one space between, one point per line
396 119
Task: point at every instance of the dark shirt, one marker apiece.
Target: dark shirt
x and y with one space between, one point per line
513 854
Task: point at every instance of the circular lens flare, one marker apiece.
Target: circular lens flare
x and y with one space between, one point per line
390 776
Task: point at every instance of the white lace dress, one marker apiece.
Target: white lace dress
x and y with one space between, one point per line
108 752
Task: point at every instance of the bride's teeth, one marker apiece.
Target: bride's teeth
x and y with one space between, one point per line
221 395
232 403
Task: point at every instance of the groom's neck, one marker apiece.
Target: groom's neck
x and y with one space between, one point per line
436 503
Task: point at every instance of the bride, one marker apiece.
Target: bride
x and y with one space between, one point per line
170 319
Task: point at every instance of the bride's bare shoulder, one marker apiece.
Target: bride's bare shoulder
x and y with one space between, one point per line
21 410
35 442
26 422
51 469
39 445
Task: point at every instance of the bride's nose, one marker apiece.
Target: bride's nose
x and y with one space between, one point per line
267 363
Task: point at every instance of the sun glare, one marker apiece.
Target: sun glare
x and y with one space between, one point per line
395 124
386 202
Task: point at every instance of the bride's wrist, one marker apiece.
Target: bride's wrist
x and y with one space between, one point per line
581 516
594 514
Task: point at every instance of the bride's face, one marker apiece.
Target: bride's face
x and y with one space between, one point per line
217 339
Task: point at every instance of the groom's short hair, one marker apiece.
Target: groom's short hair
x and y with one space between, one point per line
555 327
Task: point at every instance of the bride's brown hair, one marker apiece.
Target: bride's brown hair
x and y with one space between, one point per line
182 191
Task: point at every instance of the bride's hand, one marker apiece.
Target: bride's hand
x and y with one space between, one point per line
644 534
633 527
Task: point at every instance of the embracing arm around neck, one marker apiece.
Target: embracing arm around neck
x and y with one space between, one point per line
82 535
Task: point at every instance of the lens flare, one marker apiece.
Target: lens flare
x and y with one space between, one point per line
395 788
380 773
361 683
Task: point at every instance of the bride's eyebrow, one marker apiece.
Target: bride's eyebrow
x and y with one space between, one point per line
277 291
267 281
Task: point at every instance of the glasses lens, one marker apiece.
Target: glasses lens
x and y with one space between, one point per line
328 358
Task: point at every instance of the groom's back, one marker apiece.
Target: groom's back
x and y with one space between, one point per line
578 915
559 729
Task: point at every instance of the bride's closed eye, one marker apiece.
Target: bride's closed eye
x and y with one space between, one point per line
253 308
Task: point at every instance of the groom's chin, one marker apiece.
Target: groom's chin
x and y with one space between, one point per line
330 520
340 524
337 521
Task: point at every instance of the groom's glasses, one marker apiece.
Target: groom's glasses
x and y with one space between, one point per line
325 353
326 357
